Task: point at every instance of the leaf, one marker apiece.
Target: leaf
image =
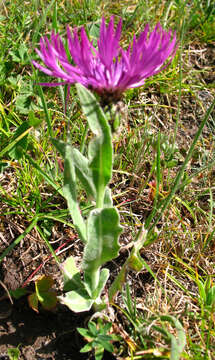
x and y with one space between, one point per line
210 299
33 302
72 278
86 348
48 300
44 283
69 188
84 332
77 301
83 172
100 148
24 103
45 295
92 328
104 275
108 202
20 146
18 293
33 120
94 29
118 282
104 341
99 351
177 343
103 231
81 165
13 353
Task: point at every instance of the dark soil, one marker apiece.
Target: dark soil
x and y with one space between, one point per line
43 335
47 334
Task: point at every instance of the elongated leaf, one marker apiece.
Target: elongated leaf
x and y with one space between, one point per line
118 282
81 165
69 188
108 202
177 343
104 275
103 231
83 172
100 148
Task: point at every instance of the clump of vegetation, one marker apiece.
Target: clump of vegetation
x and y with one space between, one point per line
154 175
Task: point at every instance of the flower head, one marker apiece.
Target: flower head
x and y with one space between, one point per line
108 69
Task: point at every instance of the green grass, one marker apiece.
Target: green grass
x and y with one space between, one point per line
163 118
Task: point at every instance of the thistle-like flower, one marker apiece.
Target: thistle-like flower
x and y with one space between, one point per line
106 69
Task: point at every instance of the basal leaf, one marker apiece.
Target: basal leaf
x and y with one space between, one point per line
33 302
77 301
44 283
48 300
18 293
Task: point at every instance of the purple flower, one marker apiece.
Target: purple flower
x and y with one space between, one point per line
108 69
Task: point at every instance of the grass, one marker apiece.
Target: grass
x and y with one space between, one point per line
163 119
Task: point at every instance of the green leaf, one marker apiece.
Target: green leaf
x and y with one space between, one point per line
48 300
83 172
108 202
18 293
77 301
81 165
118 282
86 348
33 120
202 292
84 332
69 188
24 103
33 302
104 275
210 299
72 278
100 148
45 295
177 343
92 328
99 351
44 283
104 341
103 231
20 146
94 29
13 353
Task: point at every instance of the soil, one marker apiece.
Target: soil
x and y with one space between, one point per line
46 334
43 335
